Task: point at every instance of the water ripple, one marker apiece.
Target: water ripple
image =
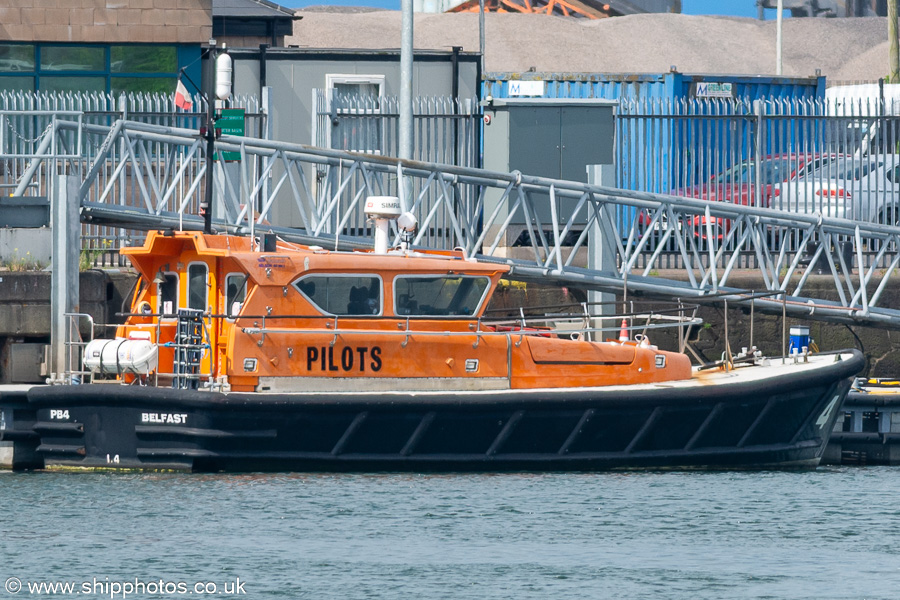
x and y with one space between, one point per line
825 534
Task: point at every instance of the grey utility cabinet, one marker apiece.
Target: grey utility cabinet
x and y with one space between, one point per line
547 137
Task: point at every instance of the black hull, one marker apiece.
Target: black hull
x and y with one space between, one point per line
782 422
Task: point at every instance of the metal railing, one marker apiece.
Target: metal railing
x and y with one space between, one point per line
801 155
553 249
140 175
584 320
74 346
446 130
827 156
832 157
76 371
32 149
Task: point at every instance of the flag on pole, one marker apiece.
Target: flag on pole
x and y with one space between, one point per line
182 98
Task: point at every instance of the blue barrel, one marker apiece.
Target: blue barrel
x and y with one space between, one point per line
799 339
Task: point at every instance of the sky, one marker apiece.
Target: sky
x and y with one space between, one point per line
738 8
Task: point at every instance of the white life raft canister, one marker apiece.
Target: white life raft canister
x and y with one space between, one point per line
135 354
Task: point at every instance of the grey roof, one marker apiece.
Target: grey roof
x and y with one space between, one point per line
250 8
857 49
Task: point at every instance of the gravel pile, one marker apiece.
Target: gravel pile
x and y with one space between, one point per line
843 49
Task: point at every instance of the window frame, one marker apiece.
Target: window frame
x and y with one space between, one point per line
376 79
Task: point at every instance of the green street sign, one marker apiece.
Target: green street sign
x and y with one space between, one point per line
231 122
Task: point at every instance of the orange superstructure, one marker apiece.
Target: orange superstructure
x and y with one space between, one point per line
302 318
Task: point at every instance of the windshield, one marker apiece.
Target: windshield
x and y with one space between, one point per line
771 170
844 168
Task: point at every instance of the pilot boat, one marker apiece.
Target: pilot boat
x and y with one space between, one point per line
244 353
868 430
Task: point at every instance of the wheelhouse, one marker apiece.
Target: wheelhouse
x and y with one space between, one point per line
255 306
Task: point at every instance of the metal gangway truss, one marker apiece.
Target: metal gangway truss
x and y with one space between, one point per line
138 176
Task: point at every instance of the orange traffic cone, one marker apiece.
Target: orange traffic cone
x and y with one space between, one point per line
623 332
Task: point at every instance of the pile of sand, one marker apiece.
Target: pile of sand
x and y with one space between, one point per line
842 49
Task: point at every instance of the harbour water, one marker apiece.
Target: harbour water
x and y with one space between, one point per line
829 533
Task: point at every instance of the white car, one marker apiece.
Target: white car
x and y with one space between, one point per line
878 196
863 189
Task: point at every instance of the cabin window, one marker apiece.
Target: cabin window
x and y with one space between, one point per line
235 293
168 294
359 295
514 297
197 287
439 296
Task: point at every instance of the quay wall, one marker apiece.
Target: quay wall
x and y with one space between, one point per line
25 315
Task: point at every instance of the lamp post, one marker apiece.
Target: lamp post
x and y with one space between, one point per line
779 7
481 40
406 81
894 53
405 133
206 206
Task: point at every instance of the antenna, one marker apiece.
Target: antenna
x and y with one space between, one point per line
408 225
382 209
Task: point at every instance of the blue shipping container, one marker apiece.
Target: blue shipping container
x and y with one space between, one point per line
664 86
675 129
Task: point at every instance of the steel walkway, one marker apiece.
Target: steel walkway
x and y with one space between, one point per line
142 176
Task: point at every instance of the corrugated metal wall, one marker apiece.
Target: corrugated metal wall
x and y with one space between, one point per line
671 86
575 85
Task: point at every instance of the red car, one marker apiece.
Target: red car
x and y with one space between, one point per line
737 185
